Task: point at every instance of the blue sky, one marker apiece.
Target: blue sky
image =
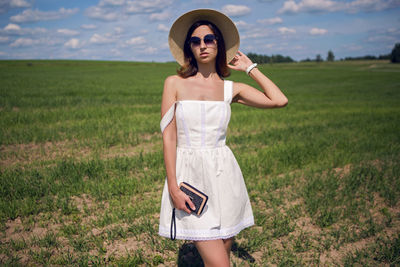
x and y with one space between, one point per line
132 30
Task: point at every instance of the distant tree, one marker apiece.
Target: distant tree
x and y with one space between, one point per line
395 55
367 57
331 56
387 56
261 59
318 58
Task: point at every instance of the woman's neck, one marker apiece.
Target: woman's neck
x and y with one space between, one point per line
207 71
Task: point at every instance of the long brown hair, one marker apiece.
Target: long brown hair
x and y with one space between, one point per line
190 67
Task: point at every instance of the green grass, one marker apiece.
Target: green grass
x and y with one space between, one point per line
82 166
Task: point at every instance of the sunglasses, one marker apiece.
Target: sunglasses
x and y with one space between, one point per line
208 40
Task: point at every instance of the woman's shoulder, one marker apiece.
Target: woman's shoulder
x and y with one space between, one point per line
173 82
173 79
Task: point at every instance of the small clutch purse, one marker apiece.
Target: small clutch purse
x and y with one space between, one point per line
198 198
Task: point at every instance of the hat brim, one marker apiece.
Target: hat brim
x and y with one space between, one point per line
179 29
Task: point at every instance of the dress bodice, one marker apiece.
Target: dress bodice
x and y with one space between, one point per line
201 124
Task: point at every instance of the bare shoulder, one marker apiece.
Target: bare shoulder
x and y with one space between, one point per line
173 81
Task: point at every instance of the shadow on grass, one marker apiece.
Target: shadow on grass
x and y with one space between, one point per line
189 256
241 253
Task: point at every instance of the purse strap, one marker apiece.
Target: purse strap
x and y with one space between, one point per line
173 224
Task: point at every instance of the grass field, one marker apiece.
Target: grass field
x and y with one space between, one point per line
82 167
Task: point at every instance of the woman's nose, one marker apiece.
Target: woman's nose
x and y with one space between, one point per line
202 44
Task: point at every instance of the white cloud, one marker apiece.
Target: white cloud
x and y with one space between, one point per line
68 32
44 42
163 28
236 10
352 47
30 15
164 45
160 16
243 26
136 41
118 30
19 3
20 42
371 5
88 26
73 43
255 34
393 30
150 50
100 13
111 2
309 6
381 39
112 10
146 6
4 39
116 52
270 21
12 27
354 6
285 30
99 39
203 2
317 31
5 5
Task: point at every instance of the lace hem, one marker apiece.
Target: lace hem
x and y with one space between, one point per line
212 234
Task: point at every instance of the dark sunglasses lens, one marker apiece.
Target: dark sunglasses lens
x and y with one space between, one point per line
195 40
209 39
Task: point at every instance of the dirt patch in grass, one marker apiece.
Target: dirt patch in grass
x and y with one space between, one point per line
123 247
15 231
337 255
305 224
83 201
343 171
26 154
148 143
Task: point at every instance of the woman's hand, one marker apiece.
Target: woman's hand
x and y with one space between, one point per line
270 97
179 199
240 62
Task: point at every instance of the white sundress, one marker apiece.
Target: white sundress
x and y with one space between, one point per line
205 162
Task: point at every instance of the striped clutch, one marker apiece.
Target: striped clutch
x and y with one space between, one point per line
198 198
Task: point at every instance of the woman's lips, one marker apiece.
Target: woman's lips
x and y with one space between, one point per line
203 54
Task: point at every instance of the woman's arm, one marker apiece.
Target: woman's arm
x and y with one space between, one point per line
248 95
169 145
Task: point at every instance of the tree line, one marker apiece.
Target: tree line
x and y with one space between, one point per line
394 57
261 59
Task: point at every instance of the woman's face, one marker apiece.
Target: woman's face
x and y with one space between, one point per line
204 50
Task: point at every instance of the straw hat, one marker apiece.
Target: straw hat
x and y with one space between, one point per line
179 29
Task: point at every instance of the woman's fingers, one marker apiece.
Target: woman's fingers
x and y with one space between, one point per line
189 201
187 210
181 203
233 67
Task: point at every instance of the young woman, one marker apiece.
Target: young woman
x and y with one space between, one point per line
195 113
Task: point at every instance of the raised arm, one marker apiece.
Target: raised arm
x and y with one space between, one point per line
271 97
169 145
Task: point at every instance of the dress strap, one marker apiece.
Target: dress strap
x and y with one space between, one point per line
228 88
168 117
